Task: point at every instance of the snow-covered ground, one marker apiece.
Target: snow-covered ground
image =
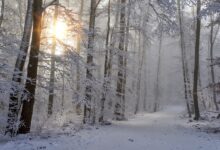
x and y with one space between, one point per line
164 130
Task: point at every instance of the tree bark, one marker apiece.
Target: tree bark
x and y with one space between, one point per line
30 85
140 62
120 103
183 58
52 65
78 49
20 3
2 12
212 66
106 82
88 118
145 82
196 65
157 89
127 30
112 43
18 73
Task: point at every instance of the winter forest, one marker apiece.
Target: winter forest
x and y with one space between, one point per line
109 74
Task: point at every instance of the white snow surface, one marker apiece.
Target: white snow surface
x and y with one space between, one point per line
164 130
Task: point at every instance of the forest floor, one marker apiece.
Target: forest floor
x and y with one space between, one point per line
165 130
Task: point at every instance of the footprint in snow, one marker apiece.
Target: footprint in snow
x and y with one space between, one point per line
131 140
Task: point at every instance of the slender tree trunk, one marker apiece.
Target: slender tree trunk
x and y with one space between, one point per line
134 46
196 65
127 30
88 118
183 58
194 31
30 85
106 83
18 73
119 110
212 66
145 68
128 25
157 89
52 65
78 48
2 12
142 58
145 21
113 41
145 83
140 62
200 88
20 3
63 89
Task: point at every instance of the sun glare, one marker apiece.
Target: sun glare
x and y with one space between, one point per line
60 30
64 34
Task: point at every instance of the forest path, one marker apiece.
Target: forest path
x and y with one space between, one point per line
164 130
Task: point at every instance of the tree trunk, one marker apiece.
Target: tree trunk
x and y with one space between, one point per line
18 73
2 12
113 41
20 4
196 65
106 82
144 59
140 62
183 58
78 49
157 89
212 66
52 65
200 88
88 118
30 85
134 47
145 82
120 103
63 88
145 69
127 30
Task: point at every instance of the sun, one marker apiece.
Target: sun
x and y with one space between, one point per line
60 30
64 34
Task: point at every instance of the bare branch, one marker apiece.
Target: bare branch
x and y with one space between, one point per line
216 33
53 2
97 4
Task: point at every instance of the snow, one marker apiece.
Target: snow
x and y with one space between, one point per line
164 130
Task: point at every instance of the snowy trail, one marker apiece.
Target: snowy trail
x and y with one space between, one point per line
160 131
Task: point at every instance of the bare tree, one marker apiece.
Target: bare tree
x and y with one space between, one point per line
78 49
212 42
196 65
20 3
140 62
30 85
183 58
89 116
119 111
106 83
18 73
157 87
2 12
53 61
